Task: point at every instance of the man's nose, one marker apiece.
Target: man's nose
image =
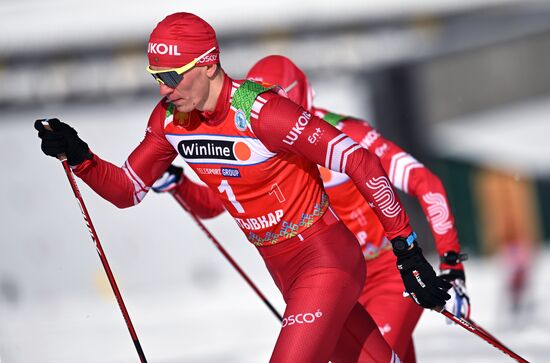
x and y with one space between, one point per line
165 90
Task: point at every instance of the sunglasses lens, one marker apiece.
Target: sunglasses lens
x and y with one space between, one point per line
157 79
170 78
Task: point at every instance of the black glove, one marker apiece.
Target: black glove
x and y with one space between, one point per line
62 140
169 180
418 275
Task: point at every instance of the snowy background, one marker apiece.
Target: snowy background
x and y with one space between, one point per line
186 302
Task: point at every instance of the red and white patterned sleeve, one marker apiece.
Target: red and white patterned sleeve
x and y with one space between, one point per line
413 178
284 126
127 185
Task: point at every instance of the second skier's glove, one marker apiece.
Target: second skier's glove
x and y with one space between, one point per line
418 276
459 303
62 139
452 271
169 180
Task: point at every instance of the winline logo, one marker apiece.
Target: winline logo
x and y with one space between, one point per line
214 149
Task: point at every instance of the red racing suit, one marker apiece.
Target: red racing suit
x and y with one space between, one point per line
382 295
259 151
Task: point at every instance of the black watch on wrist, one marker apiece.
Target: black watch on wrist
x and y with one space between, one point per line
401 244
453 258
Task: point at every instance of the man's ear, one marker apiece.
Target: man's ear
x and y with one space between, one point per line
212 70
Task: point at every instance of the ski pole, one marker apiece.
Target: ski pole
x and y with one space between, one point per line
482 333
485 332
229 258
99 249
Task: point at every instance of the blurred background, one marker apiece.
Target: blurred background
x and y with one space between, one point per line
462 85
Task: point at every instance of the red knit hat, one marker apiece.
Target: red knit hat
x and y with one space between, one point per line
279 70
180 38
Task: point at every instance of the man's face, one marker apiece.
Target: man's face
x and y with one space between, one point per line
191 93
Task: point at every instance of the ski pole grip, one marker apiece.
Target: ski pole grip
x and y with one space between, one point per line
47 126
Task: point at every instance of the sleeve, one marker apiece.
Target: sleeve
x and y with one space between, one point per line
284 126
127 185
413 178
198 198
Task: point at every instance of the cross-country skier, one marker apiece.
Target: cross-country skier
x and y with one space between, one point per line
253 146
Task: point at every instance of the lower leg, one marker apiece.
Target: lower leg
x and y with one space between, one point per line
361 340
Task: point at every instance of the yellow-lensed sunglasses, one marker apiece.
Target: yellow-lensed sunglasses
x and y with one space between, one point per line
172 77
